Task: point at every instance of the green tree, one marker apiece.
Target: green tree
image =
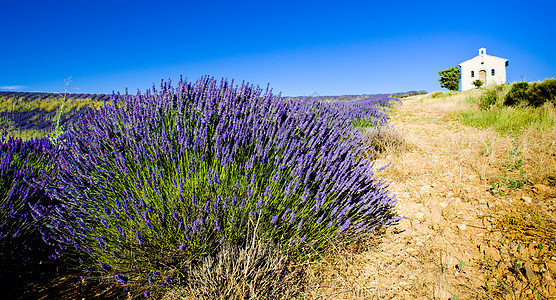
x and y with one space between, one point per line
477 83
449 78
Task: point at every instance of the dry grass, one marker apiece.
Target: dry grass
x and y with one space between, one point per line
342 273
442 172
386 140
253 272
539 151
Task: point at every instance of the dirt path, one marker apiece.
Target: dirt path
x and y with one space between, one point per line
445 246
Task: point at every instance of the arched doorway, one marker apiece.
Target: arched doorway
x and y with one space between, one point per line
483 76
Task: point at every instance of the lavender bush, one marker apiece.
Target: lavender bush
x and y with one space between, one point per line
22 164
151 183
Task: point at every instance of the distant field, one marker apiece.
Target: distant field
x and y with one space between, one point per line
31 114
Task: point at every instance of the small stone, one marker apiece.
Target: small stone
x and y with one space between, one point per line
493 254
436 215
443 204
529 273
419 243
526 199
462 226
413 277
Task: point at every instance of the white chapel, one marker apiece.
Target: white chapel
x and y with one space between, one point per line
487 68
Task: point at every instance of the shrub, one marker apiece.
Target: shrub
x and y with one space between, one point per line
541 92
477 83
152 183
487 99
535 94
22 163
517 94
438 94
491 96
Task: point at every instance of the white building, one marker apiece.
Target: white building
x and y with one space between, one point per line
487 68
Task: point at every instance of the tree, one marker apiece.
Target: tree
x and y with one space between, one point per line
477 83
449 78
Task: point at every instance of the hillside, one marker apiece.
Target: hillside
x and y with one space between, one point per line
459 238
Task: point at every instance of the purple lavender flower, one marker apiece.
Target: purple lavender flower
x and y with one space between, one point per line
300 224
138 237
168 281
183 247
207 207
195 226
121 278
216 228
105 267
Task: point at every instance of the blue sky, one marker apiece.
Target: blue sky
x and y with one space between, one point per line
299 47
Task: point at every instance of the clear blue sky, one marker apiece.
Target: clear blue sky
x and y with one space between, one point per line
299 47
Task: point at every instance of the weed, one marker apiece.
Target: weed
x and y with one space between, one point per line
487 148
513 162
517 266
57 131
461 266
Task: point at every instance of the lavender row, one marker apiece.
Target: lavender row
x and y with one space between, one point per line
31 96
361 109
39 119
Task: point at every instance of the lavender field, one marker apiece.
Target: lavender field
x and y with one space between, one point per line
136 192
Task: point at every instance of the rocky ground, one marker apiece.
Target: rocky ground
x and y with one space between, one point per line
459 238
